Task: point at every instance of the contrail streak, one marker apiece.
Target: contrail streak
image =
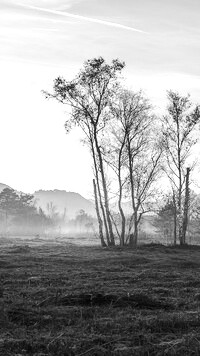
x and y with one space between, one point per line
85 18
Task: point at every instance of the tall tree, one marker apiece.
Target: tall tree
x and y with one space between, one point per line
179 132
136 152
89 95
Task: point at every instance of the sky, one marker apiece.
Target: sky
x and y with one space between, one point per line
42 39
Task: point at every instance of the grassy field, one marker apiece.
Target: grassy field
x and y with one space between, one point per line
62 299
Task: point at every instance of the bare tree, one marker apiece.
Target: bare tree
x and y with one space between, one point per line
88 96
115 157
137 153
146 170
179 133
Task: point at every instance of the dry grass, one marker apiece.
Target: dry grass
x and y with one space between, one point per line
61 299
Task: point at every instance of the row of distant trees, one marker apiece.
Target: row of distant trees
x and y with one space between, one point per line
19 214
131 147
165 223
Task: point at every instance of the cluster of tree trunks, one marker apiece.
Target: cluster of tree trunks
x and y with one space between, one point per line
124 136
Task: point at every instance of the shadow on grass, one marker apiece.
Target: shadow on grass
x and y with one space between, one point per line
139 301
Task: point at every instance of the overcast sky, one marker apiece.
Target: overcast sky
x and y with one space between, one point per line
41 39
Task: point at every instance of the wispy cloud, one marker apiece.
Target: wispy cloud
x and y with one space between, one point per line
84 18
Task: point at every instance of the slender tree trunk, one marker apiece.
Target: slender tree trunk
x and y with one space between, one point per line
132 236
175 229
100 222
123 219
103 212
123 227
111 235
179 216
104 218
179 212
175 220
135 229
99 192
136 225
186 207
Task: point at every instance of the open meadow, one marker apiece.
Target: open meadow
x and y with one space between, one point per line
57 298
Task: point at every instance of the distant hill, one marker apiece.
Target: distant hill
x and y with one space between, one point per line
73 202
3 186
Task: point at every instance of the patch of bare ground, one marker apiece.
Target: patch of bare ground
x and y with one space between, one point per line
67 300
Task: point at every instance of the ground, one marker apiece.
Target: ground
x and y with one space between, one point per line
57 298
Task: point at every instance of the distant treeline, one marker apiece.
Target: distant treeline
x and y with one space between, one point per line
19 215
